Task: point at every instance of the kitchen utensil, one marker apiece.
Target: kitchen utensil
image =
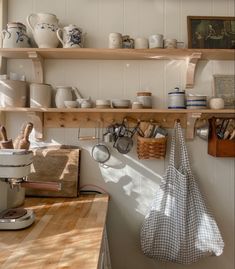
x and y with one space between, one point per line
216 103
15 36
121 103
5 143
170 43
196 102
100 152
156 41
102 103
115 40
71 104
71 36
127 42
124 143
141 43
40 95
44 27
20 136
203 131
145 98
13 93
24 143
222 128
176 99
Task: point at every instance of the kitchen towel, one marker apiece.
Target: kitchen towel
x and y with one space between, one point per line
179 228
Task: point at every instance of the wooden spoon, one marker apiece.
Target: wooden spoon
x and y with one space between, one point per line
5 143
24 143
20 136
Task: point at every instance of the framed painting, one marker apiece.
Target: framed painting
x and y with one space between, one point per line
224 87
208 32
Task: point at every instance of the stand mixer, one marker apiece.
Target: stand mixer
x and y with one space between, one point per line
14 168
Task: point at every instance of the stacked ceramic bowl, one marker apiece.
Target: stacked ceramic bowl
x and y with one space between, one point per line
196 102
102 103
121 103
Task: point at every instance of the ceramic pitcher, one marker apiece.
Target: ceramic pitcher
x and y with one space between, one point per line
44 27
14 36
70 36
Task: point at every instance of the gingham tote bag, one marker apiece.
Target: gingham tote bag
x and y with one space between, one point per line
179 228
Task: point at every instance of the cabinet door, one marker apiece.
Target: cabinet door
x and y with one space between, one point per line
104 259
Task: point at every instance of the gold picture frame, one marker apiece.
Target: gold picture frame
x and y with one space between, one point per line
210 32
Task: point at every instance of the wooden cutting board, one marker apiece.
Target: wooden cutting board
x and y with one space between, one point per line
56 163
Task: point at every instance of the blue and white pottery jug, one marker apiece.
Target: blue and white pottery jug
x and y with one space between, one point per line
44 27
14 36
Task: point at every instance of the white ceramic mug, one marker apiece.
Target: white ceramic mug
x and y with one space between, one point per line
156 41
170 43
115 40
141 43
40 95
71 36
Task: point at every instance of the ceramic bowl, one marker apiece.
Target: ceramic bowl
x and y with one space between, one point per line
70 104
121 103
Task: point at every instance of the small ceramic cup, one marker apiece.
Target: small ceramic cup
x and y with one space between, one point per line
141 43
156 41
115 40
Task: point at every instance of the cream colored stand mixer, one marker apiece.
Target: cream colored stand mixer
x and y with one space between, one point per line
14 168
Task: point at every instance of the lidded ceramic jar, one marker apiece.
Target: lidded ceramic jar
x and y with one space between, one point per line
145 98
15 36
176 99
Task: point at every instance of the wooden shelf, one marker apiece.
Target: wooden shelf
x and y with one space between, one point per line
118 110
118 54
93 117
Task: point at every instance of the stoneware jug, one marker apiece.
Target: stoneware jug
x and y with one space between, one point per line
14 36
63 93
71 36
44 27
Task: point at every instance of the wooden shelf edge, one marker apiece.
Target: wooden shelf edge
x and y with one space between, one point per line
117 110
118 54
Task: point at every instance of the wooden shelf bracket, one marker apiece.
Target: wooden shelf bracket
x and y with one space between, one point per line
37 119
191 67
37 61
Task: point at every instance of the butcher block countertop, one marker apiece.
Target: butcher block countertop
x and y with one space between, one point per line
67 233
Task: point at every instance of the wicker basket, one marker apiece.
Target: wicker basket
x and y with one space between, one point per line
151 148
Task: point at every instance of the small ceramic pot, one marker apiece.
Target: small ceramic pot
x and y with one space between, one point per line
216 103
115 40
156 41
176 99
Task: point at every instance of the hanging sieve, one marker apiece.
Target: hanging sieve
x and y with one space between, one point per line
100 152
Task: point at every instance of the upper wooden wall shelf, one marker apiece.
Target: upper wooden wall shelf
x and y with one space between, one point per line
119 54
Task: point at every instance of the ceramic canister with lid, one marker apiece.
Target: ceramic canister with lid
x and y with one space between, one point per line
176 99
145 98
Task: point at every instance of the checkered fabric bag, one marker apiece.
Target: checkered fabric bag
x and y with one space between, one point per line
179 228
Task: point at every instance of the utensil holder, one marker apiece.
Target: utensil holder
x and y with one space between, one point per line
151 148
219 147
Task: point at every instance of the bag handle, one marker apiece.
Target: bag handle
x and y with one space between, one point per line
184 159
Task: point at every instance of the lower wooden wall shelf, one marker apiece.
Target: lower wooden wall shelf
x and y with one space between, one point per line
92 117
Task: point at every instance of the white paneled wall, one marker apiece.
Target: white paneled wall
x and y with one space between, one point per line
130 182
